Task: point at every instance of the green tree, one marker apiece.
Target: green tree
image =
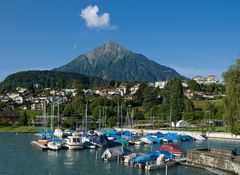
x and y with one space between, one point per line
232 98
138 96
176 100
193 85
24 119
150 98
188 110
2 106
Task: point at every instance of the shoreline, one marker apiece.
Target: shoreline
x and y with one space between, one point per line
211 135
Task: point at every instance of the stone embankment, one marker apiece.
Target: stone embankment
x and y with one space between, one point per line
222 159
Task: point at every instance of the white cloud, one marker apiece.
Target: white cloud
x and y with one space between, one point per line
94 20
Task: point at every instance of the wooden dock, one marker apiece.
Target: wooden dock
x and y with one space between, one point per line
40 146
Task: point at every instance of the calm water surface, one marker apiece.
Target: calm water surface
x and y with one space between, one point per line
19 157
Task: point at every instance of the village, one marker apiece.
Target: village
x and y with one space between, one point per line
22 99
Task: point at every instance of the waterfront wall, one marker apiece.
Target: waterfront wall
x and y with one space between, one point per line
215 158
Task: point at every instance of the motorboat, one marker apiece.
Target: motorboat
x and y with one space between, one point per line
73 142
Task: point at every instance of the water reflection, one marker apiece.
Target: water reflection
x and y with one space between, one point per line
18 156
70 158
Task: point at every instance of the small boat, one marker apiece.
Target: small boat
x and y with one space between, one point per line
160 165
146 140
73 142
53 145
172 148
43 142
114 153
154 139
135 142
122 141
146 158
89 145
102 141
129 158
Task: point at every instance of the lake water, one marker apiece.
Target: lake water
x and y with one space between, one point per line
19 157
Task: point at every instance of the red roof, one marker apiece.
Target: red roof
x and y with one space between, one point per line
172 148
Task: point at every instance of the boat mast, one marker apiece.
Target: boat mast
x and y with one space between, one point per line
58 114
44 116
86 118
121 121
118 114
52 115
100 119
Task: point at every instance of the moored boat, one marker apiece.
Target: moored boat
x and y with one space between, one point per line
172 148
53 145
73 142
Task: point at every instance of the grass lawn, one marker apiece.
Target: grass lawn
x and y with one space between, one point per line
19 129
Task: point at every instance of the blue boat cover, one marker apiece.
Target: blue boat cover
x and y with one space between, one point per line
101 140
41 132
154 139
145 158
56 139
171 136
49 133
167 155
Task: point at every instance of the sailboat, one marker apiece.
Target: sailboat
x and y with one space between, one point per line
54 143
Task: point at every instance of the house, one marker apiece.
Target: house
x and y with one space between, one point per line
71 91
123 87
199 79
211 79
38 121
160 84
119 91
16 97
184 83
21 90
9 118
134 89
37 106
111 91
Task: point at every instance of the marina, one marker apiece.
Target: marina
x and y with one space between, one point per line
89 161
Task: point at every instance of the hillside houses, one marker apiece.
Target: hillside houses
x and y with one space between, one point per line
24 99
211 79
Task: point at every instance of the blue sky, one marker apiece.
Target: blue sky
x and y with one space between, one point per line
199 37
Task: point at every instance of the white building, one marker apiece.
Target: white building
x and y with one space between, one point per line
134 89
211 79
160 84
199 79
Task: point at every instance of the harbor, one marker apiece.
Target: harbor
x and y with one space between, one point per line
148 153
24 158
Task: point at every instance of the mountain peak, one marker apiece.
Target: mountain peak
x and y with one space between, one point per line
108 49
112 46
112 61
